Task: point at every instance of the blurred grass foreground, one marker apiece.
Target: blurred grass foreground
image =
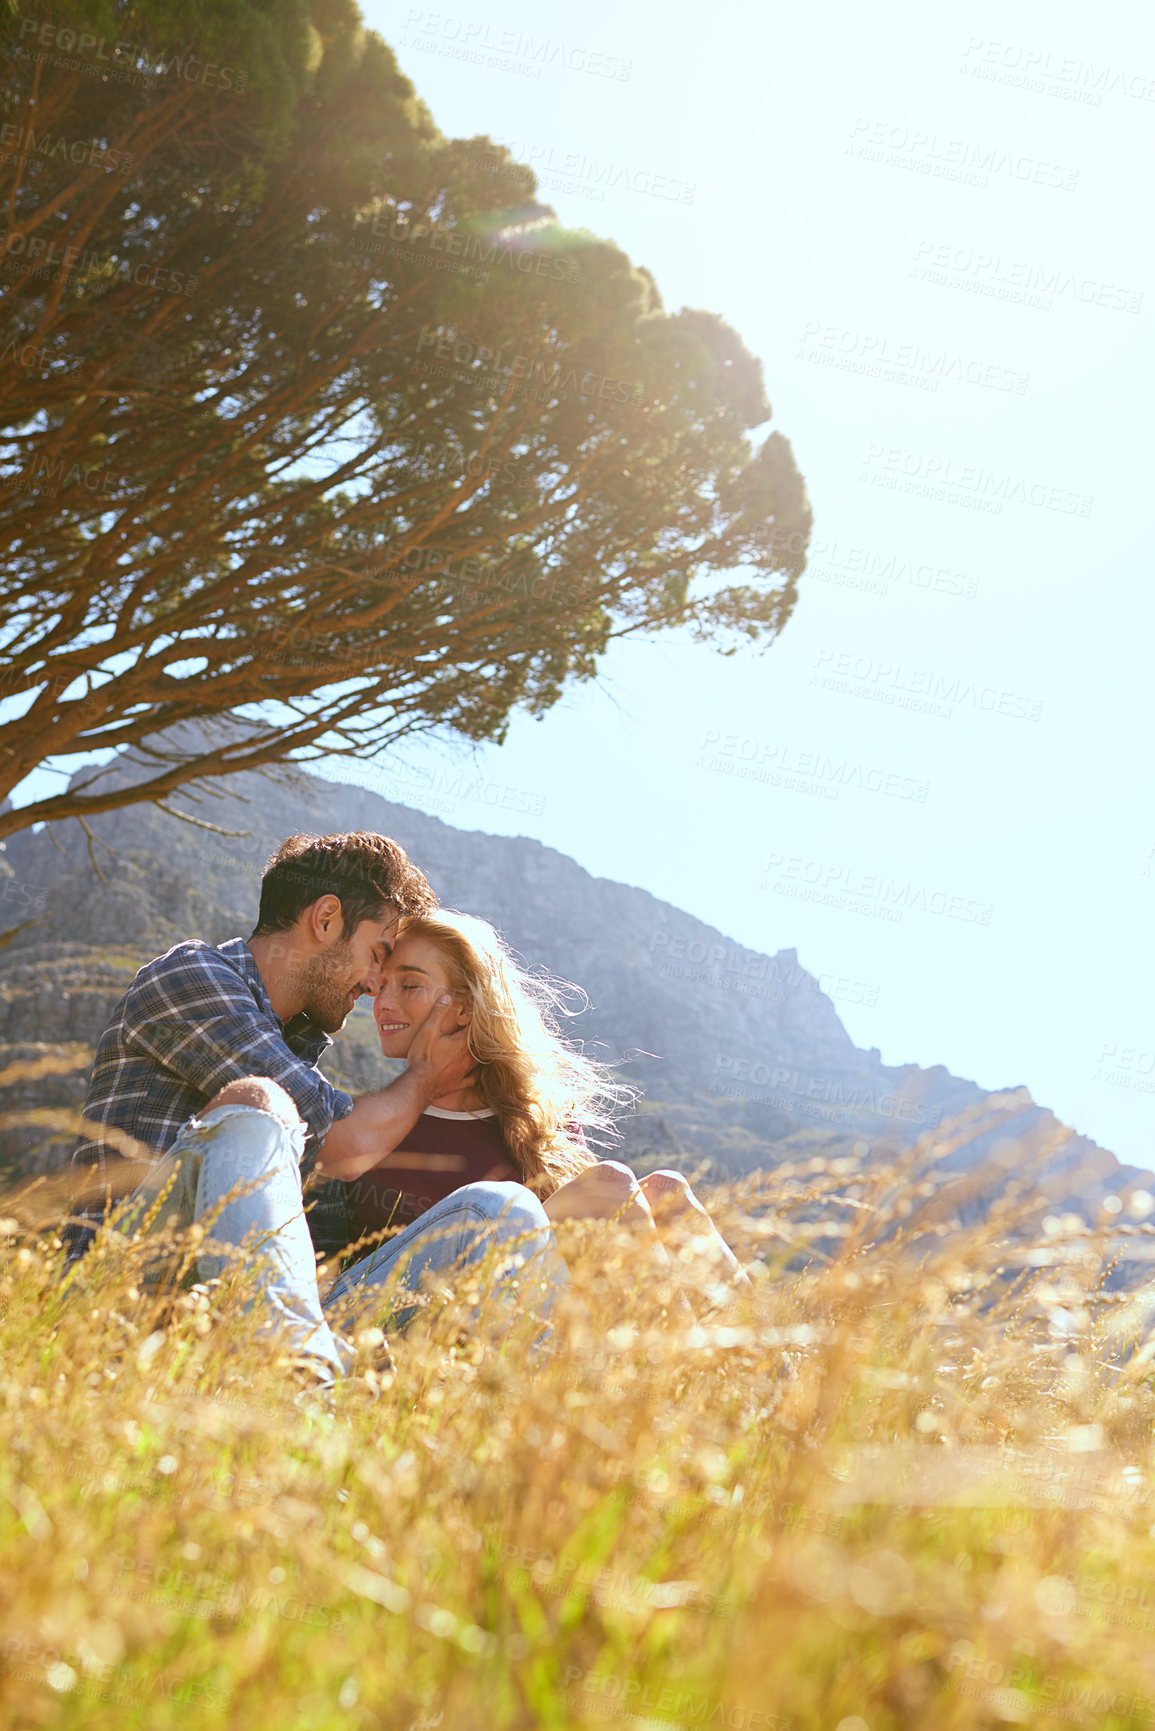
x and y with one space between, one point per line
902 1480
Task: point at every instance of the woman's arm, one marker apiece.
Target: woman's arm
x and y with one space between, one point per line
439 1062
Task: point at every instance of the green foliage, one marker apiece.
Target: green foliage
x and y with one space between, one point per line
277 359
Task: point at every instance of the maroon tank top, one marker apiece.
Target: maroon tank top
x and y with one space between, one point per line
443 1151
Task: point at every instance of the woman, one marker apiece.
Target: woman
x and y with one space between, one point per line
523 1114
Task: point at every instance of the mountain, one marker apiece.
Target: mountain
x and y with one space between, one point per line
741 1056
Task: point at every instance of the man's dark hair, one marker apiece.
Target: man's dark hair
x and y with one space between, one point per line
367 872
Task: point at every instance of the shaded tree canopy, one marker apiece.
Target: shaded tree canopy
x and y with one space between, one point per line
313 417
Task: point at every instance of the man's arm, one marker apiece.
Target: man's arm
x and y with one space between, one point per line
193 1015
439 1062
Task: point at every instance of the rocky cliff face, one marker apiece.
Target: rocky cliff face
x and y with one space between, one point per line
736 1051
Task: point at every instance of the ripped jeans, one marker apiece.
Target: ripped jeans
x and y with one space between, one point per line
233 1146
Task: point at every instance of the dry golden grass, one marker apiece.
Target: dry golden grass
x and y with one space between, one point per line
904 1481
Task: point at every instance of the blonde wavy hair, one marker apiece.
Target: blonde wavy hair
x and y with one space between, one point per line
546 1094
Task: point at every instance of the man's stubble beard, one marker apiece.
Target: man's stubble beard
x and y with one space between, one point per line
328 984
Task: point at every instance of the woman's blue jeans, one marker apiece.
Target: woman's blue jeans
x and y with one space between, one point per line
500 1225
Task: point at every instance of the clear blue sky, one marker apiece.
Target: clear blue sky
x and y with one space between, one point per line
855 189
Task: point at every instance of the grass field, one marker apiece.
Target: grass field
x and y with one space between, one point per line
904 1481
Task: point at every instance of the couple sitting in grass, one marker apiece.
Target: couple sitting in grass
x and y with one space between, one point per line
459 1170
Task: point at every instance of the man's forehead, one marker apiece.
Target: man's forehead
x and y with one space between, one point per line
385 929
379 930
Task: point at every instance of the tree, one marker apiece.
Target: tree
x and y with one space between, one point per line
313 418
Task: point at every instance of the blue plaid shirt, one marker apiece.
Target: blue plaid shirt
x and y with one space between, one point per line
192 1021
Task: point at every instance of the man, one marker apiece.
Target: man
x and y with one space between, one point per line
211 1061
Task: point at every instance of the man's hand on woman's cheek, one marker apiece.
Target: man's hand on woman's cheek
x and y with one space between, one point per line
440 1054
